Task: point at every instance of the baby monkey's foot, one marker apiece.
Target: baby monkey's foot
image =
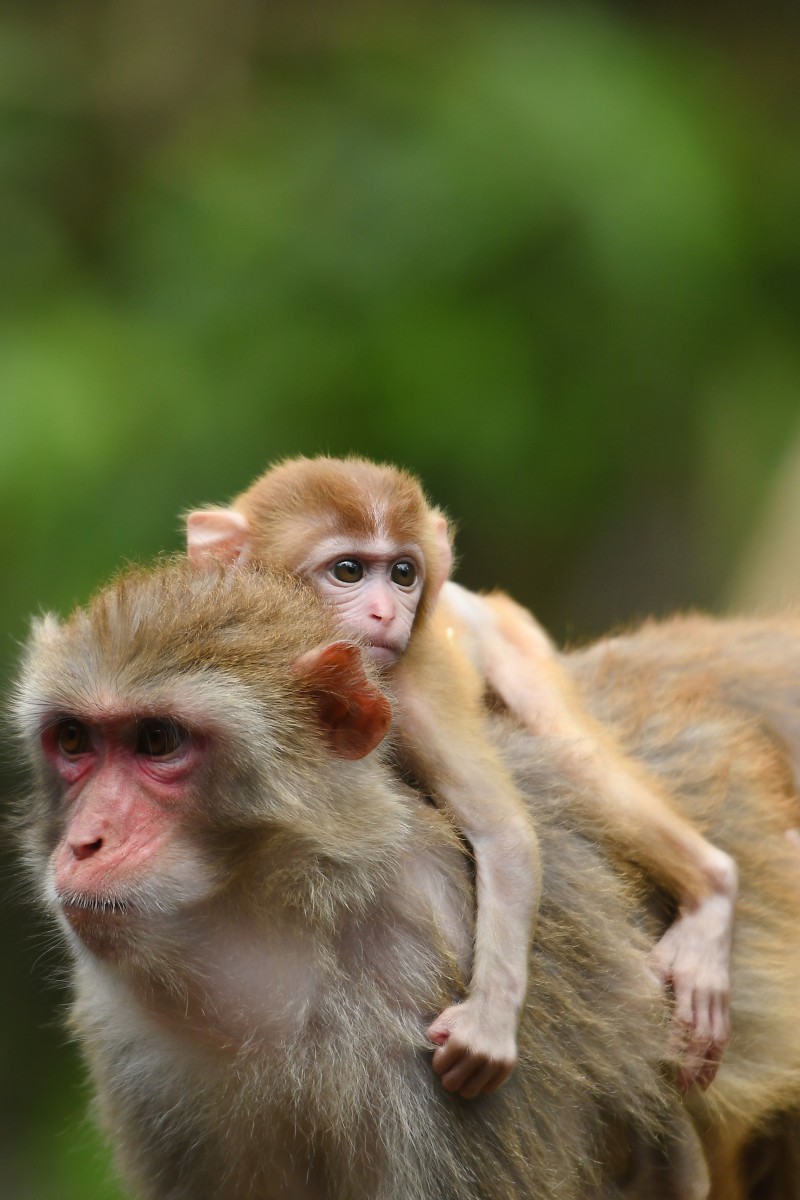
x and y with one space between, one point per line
475 1053
695 964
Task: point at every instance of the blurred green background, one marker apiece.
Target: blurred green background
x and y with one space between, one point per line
545 256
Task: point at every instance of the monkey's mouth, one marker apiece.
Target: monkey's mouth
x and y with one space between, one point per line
382 653
97 905
89 913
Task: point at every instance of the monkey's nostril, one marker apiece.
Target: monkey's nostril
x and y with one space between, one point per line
87 849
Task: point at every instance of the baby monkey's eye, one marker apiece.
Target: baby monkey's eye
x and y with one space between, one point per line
404 573
73 738
347 570
158 738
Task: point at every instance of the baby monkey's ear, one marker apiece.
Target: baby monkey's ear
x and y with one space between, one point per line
439 570
216 535
352 711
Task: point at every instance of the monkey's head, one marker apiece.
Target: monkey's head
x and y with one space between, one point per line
362 533
172 724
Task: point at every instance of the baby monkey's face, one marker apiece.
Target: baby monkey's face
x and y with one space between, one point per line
375 587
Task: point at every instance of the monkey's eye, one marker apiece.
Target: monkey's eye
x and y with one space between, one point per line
404 572
348 570
73 738
158 738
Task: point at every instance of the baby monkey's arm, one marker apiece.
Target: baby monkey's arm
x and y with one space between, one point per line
629 811
477 1038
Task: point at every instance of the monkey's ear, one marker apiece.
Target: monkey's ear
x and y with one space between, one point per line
216 535
353 712
444 554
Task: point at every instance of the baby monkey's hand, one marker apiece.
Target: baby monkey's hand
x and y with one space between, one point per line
476 1052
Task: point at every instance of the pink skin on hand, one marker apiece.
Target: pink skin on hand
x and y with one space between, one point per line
474 1055
692 958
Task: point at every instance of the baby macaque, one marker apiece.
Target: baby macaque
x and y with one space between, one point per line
366 537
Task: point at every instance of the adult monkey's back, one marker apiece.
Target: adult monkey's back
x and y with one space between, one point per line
732 688
263 921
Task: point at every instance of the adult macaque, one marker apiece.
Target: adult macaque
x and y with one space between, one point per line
367 539
263 919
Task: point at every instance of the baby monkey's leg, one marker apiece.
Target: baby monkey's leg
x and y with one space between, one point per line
632 813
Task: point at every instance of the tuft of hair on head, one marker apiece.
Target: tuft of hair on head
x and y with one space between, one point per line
300 501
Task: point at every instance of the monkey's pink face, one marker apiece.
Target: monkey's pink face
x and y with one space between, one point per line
375 587
136 803
123 785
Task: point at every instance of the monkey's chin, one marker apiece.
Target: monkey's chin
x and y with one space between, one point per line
102 924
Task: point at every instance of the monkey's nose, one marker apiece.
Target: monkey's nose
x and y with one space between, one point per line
383 611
